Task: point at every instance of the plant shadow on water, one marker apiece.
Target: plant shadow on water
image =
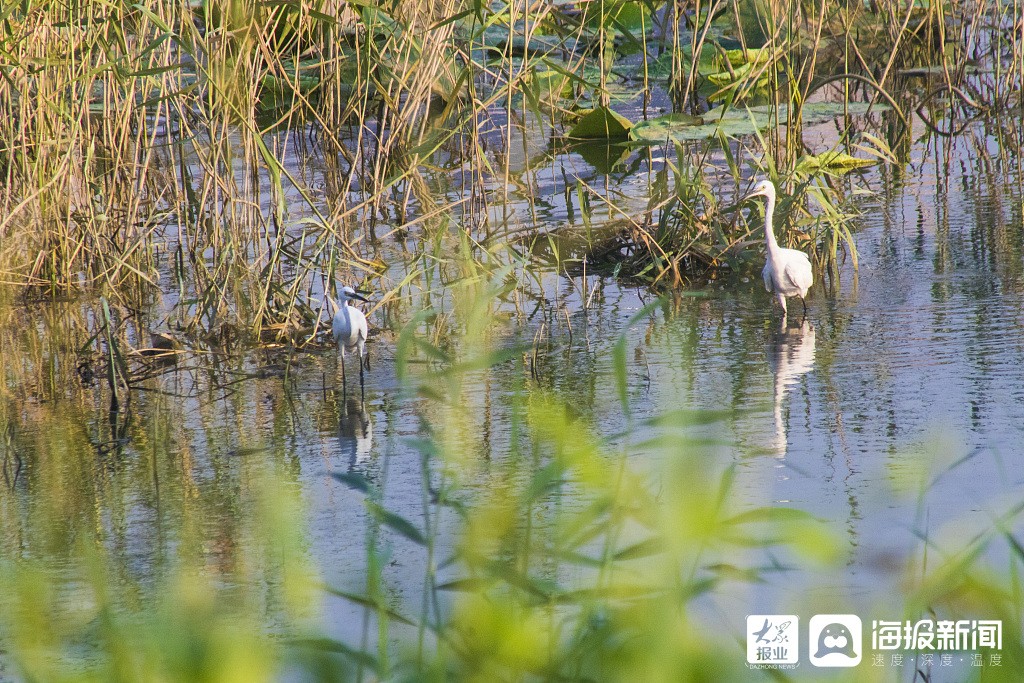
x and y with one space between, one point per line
588 448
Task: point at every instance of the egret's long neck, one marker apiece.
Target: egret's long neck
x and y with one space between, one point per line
769 234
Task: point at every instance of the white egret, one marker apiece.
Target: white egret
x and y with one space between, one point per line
349 328
787 272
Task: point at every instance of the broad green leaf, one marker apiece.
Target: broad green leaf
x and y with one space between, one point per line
740 74
736 121
661 128
601 124
832 162
757 56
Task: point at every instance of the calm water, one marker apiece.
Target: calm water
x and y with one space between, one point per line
910 370
908 377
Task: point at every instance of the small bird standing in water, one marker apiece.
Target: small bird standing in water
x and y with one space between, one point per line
787 272
349 328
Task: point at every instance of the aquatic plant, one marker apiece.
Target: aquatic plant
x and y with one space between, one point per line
167 140
559 548
208 171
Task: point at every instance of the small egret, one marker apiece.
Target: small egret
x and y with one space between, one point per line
349 328
787 272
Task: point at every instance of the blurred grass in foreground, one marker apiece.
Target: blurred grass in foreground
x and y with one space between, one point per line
579 554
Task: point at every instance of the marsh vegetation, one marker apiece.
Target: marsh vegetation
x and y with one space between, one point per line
552 476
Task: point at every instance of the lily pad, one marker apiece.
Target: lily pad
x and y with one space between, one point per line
757 56
663 127
660 68
304 83
548 86
820 112
736 122
833 162
680 127
601 123
739 74
632 18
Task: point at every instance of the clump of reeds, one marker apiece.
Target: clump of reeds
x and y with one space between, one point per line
169 140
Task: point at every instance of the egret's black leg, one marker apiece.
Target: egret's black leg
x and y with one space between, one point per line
804 302
362 389
344 380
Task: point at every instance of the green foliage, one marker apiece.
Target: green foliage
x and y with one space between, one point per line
80 620
832 162
220 165
601 123
188 111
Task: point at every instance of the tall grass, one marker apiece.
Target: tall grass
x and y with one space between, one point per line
215 167
232 154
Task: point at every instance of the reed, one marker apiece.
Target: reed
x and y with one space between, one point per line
244 151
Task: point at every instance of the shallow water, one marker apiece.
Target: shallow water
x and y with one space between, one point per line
913 364
894 412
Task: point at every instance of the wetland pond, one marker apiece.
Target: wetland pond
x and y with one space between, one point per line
893 415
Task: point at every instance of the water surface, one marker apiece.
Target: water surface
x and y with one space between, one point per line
894 412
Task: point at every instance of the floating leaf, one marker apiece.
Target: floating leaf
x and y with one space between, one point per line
740 74
601 124
632 18
832 162
757 56
676 127
661 128
733 122
549 86
660 68
300 83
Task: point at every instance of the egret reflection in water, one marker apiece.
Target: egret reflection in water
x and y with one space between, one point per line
355 432
790 357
